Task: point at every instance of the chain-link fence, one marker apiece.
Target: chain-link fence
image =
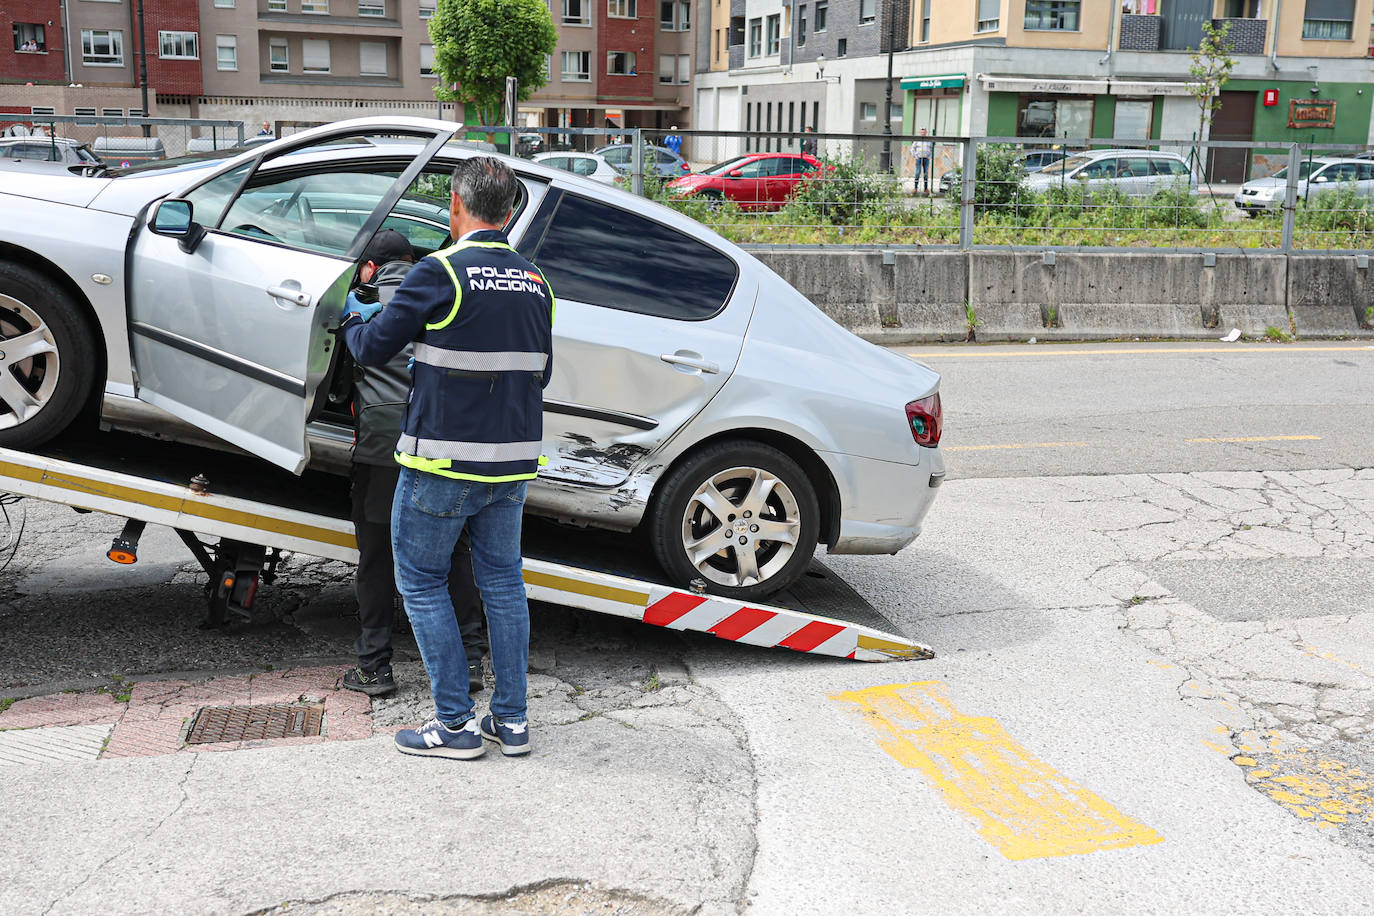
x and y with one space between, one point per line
115 141
867 189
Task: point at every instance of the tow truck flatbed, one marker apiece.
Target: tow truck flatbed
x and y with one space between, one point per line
255 510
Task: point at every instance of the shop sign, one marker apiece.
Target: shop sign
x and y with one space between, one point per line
947 81
1312 113
1049 86
1271 98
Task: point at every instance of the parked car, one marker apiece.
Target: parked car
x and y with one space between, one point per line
659 159
1031 161
48 149
529 145
733 454
1315 176
588 165
1133 172
759 181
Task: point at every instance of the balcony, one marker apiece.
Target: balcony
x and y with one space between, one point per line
1146 32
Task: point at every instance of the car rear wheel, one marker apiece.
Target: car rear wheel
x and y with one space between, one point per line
47 358
741 516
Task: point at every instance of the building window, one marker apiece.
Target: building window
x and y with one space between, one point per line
314 55
427 8
135 112
577 66
989 15
112 112
42 110
426 60
675 15
868 111
755 37
279 59
897 111
577 12
372 58
801 26
620 63
319 7
774 33
684 69
925 20
276 6
1054 117
226 52
868 10
224 5
1059 15
29 36
842 47
667 68
1329 20
83 112
822 13
371 7
622 9
178 45
102 48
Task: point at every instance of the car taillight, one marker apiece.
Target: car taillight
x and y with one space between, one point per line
686 167
924 418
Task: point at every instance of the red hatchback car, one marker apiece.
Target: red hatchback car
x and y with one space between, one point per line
758 181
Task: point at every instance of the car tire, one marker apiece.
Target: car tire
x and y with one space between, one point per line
714 200
41 393
721 497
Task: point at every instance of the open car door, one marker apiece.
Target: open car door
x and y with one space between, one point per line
236 284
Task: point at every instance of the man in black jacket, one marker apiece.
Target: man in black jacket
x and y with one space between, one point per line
379 402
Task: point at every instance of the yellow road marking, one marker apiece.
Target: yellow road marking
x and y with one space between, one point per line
1259 439
1318 789
1022 806
1141 351
1010 445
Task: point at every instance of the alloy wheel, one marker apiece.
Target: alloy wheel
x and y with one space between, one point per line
29 365
741 526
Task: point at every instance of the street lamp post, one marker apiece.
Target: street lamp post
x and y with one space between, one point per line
143 65
886 162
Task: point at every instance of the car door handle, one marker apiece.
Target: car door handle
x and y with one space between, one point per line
690 360
290 294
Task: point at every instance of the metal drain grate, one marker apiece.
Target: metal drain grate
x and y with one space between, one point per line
214 724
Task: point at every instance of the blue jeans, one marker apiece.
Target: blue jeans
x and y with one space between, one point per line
922 174
428 513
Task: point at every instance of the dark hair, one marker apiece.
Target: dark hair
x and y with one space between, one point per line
486 188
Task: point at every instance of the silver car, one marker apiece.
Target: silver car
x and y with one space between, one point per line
1133 172
1320 175
697 398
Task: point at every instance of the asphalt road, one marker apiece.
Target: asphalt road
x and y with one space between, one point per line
1153 693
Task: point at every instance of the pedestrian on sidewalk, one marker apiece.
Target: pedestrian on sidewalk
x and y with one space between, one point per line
379 400
922 151
481 319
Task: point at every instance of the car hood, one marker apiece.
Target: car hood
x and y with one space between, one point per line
129 194
692 181
51 182
1258 183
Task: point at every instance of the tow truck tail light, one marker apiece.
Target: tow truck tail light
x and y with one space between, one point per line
925 419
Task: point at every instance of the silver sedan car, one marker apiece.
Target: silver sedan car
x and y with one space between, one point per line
697 398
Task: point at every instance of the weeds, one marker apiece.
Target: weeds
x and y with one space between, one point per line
1277 334
7 702
971 321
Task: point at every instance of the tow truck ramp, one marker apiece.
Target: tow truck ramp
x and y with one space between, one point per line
821 615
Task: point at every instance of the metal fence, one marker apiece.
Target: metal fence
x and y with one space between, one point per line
871 190
118 140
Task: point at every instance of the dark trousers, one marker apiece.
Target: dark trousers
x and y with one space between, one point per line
375 584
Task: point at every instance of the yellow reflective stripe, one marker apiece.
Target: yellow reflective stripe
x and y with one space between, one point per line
441 467
457 294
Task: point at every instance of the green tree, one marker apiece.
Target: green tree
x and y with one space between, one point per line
478 43
1210 68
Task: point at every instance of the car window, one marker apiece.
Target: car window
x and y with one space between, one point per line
663 156
423 236
619 155
555 162
1366 171
317 212
210 199
1341 171
1134 167
581 165
610 257
1101 168
756 169
1168 167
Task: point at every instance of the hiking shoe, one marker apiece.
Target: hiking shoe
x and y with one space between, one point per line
435 739
377 683
475 682
514 737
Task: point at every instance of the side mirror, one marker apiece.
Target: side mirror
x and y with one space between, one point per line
736 173
175 219
1320 178
1080 176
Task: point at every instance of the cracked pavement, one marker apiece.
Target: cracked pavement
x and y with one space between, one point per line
1192 646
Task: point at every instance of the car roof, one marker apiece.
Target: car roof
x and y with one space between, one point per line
32 138
1331 160
1126 151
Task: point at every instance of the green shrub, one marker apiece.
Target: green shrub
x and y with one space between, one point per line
845 193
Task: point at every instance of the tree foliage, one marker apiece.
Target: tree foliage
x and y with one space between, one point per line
478 43
1210 68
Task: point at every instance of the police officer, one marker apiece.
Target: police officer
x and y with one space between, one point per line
379 399
480 317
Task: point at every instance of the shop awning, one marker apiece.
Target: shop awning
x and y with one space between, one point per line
1149 87
943 81
1024 84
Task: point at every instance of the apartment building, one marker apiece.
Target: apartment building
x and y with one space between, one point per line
620 63
1064 69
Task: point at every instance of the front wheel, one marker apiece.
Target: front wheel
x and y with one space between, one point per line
741 516
47 358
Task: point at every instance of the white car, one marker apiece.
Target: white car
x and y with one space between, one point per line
1315 176
1133 172
696 397
588 165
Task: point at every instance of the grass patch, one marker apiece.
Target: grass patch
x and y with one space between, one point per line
7 702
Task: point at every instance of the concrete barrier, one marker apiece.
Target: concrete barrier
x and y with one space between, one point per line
908 296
